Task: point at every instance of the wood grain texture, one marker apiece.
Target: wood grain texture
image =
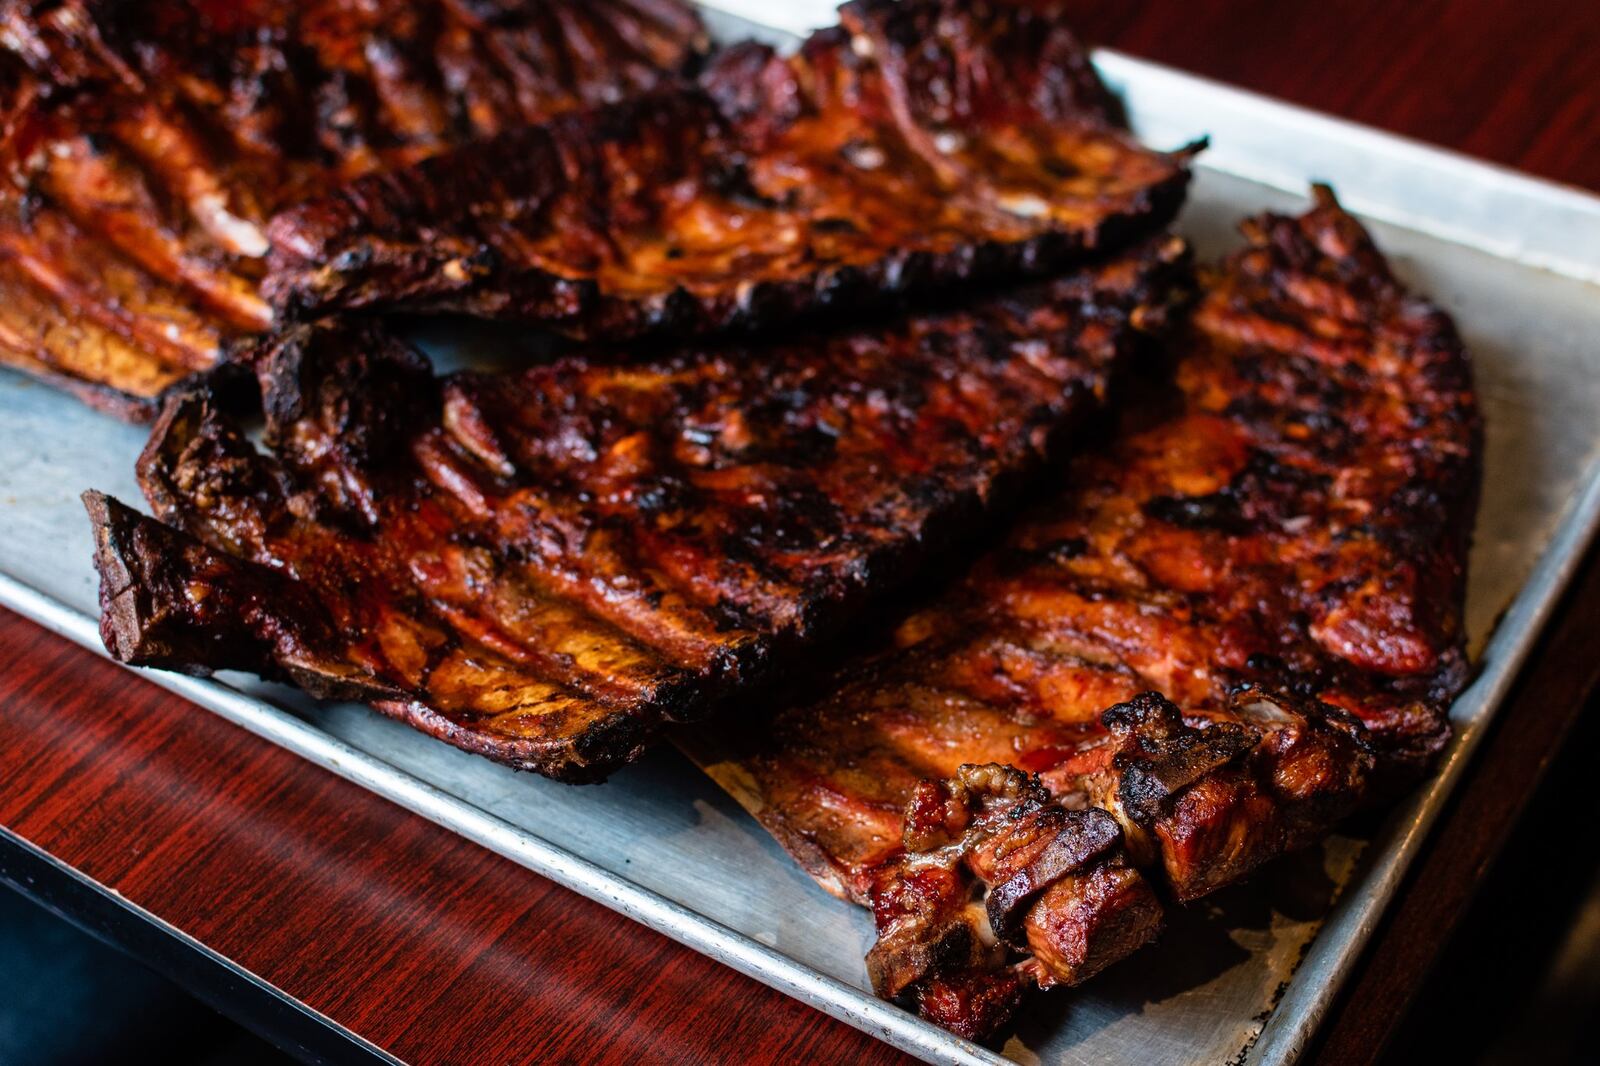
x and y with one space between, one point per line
1513 83
439 951
428 946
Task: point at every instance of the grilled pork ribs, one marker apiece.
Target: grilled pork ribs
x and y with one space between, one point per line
145 145
544 567
1057 887
1234 623
923 142
1264 584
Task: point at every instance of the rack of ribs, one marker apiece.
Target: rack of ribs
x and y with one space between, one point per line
1233 625
917 144
545 566
144 147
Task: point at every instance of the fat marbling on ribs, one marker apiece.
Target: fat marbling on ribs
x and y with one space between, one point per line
920 142
543 567
1262 579
145 145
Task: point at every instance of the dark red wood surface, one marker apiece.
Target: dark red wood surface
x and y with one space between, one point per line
1508 81
436 950
422 943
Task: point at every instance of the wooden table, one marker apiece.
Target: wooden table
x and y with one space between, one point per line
340 926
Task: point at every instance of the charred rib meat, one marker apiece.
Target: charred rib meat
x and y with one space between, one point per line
1264 585
1057 891
920 142
544 567
145 146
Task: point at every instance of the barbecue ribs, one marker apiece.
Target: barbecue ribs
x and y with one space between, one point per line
544 567
923 142
145 145
1266 581
1057 885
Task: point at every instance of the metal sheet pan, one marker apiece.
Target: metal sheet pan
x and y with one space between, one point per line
1245 975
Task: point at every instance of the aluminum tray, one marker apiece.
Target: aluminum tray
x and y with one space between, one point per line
1246 975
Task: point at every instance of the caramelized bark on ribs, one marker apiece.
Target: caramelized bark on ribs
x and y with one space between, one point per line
1059 900
922 142
1205 806
144 146
543 567
1280 554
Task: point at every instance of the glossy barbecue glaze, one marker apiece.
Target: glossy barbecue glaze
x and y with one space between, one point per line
543 567
1280 554
919 143
144 147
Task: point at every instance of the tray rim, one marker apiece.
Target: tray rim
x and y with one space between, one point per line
1348 926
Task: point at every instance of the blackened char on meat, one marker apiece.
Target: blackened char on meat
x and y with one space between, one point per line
543 567
145 145
1229 628
1058 903
924 142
